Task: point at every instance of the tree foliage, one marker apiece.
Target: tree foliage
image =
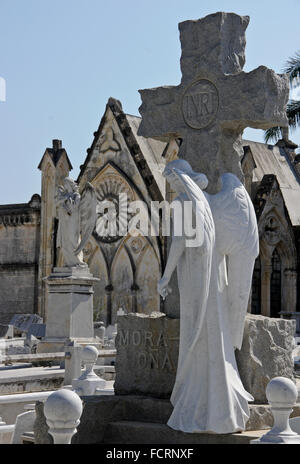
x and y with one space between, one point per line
292 68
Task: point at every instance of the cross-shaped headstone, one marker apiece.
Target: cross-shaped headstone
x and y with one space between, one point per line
215 100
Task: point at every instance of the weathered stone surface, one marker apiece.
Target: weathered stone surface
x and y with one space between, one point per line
99 412
19 242
70 309
24 423
23 322
40 427
215 100
266 353
55 166
6 331
127 432
147 352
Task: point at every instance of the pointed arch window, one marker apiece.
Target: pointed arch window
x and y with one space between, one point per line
256 288
275 289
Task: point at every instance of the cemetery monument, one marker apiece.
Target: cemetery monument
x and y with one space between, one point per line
191 359
208 111
70 286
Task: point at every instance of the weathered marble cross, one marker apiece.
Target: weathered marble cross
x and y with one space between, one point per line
215 100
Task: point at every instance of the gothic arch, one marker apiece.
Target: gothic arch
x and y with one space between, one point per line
147 275
256 287
98 267
275 285
122 280
276 234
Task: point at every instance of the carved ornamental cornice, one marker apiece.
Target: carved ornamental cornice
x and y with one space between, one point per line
21 214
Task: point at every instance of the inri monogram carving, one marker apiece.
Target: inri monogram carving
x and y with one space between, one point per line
200 104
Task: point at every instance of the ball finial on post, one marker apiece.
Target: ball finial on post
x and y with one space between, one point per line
282 395
63 409
88 383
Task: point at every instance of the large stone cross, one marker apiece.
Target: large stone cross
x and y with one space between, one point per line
215 100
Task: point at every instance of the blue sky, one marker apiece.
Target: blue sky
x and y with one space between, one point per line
63 59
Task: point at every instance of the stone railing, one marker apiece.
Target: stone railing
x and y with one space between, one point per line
37 357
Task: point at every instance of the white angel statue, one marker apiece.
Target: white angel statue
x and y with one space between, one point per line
76 221
208 395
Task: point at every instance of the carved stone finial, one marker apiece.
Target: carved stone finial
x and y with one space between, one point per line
63 410
89 382
56 144
282 396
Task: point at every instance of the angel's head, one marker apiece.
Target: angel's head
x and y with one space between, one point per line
183 166
169 174
70 185
200 179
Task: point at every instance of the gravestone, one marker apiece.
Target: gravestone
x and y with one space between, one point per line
6 331
147 354
23 322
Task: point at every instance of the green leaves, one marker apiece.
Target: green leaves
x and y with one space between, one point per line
293 113
273 134
292 68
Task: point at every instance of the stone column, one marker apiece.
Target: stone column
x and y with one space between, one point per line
289 291
55 166
265 289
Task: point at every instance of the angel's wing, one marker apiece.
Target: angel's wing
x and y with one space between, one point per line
234 216
237 238
206 237
199 203
87 211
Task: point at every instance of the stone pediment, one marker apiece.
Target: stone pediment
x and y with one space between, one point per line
116 140
56 155
275 228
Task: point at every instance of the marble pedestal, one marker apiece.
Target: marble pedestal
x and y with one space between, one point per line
70 309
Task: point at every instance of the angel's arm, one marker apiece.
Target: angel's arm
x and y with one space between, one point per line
176 249
63 200
87 209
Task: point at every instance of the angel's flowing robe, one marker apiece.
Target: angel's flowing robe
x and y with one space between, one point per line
68 233
208 395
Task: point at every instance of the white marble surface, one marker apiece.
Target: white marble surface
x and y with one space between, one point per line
89 383
208 395
76 220
282 395
63 410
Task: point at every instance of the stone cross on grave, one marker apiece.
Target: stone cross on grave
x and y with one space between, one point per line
215 100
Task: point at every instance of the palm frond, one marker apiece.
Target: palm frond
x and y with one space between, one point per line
293 113
292 67
272 135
